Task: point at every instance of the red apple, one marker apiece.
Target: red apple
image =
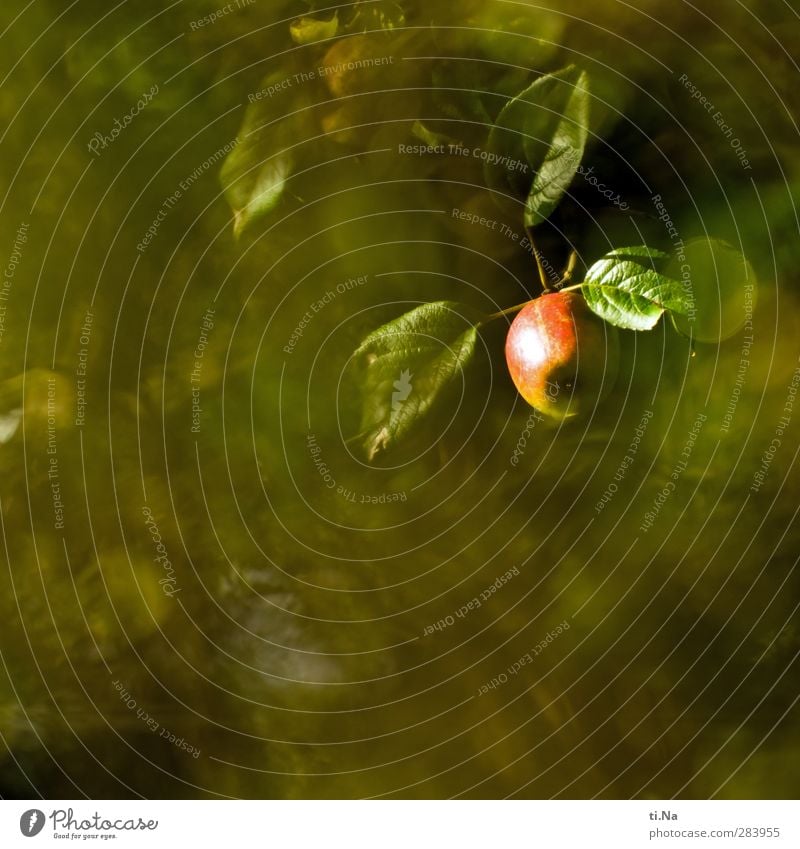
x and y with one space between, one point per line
562 358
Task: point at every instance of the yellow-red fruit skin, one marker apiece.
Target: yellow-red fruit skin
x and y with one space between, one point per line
562 358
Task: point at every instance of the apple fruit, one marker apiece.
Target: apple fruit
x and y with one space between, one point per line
562 358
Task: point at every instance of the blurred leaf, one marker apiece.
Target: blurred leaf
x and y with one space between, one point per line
309 30
253 189
546 126
255 172
9 423
409 363
625 289
430 137
377 14
637 252
722 288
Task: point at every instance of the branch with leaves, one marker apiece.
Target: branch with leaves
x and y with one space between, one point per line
547 127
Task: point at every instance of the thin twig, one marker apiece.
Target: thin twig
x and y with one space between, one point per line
542 276
567 274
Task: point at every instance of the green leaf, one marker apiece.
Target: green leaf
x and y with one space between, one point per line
260 191
546 128
255 172
9 423
430 137
308 30
625 289
564 154
640 252
408 363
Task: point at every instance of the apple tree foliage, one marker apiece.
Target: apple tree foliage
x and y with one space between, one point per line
546 128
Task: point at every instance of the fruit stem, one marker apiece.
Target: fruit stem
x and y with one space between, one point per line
502 313
538 257
567 274
574 288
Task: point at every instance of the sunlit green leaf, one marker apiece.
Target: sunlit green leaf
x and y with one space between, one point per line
408 363
538 142
625 289
308 30
255 172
